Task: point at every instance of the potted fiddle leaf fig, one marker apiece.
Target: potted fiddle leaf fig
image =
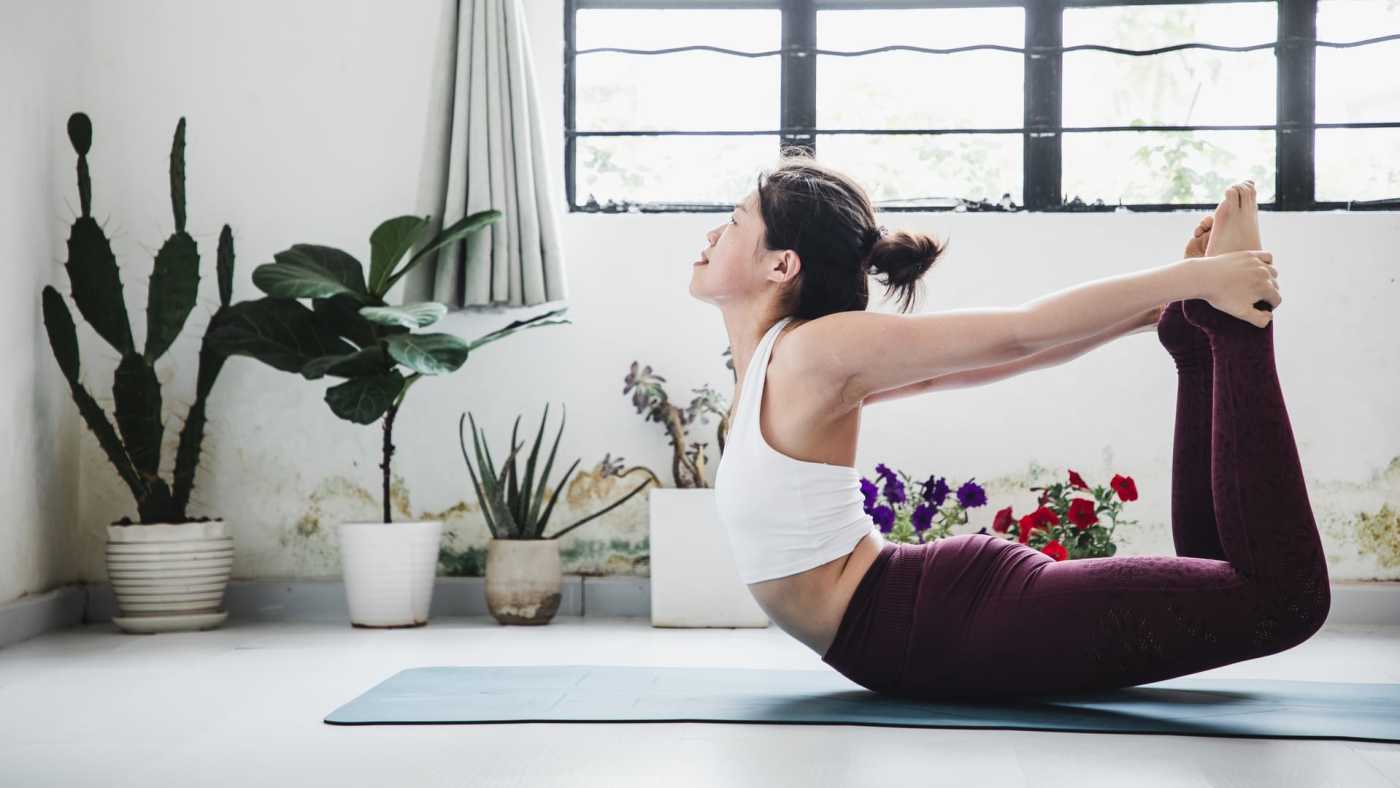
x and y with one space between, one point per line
523 577
349 331
168 571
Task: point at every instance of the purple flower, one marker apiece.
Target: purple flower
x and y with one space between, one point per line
935 491
869 490
971 495
883 517
922 517
894 491
884 472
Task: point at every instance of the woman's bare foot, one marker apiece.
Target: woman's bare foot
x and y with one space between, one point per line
1236 224
1196 247
1235 229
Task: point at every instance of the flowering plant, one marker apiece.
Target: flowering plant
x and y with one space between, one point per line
915 521
1063 527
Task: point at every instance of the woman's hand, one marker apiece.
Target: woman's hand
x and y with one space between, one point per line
1235 282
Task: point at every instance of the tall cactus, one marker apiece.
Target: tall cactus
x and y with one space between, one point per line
134 445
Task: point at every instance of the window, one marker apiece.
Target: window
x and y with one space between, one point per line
1043 105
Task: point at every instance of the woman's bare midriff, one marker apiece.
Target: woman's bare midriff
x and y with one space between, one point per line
813 425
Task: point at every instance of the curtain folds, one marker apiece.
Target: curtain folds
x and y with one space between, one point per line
493 158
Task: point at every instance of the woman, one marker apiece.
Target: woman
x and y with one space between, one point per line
977 615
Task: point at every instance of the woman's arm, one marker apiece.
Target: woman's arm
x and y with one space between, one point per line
1088 309
1049 357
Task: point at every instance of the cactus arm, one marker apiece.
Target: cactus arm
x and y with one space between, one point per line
173 290
80 134
63 339
177 176
136 395
175 277
225 266
92 268
97 285
211 361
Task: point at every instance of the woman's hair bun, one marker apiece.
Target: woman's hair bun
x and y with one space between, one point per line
903 257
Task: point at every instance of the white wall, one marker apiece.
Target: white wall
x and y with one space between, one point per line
311 122
38 464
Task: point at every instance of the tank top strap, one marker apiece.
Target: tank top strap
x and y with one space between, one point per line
756 374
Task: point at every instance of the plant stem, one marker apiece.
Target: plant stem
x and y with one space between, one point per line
388 452
389 438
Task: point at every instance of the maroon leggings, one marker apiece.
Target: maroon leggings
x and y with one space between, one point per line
976 615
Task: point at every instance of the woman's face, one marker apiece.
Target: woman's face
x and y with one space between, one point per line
727 266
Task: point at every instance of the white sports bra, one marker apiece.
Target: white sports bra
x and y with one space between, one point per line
782 515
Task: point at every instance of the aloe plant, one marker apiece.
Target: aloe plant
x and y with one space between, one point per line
512 505
134 445
349 331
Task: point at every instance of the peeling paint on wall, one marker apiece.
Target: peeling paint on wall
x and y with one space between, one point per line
1358 520
1379 534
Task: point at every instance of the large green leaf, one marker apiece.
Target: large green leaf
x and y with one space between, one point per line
363 400
311 271
459 229
430 354
97 285
368 361
341 314
538 321
279 332
388 244
174 286
415 315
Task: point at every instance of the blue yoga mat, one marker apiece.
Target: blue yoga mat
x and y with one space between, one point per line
614 693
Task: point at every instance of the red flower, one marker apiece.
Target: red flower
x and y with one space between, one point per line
1123 485
1039 518
1075 480
1055 550
1081 513
1002 520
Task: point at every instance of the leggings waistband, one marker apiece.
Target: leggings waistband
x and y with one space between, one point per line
875 628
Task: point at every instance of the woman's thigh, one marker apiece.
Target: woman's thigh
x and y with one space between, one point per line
997 617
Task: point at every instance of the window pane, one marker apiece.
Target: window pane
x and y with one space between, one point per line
912 90
1165 166
1358 84
1186 87
671 168
697 90
933 168
1357 164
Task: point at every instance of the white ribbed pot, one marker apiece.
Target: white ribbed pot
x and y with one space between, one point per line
523 580
389 570
169 577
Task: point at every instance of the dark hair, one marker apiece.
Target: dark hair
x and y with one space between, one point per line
828 220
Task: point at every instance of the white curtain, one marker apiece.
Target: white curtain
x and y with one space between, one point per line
493 158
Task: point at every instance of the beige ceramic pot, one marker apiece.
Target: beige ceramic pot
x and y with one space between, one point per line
169 577
523 580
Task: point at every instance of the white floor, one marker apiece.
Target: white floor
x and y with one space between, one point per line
243 705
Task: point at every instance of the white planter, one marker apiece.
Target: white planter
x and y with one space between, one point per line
694 578
389 569
523 580
169 577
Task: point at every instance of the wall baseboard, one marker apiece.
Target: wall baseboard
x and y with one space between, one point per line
1353 603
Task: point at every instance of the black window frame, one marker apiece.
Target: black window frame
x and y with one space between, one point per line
1042 130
